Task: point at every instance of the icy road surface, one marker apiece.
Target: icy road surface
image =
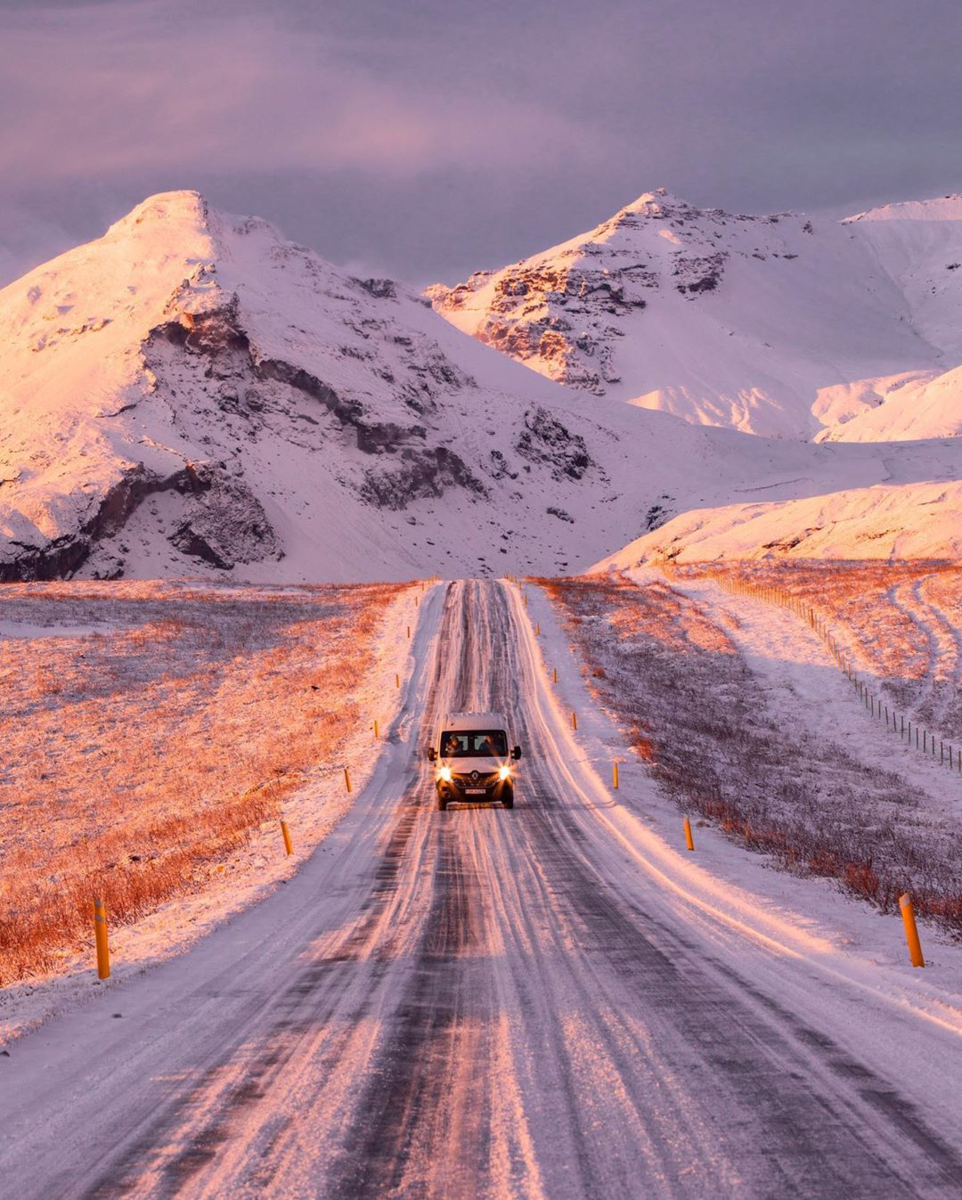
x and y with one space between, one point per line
464 1004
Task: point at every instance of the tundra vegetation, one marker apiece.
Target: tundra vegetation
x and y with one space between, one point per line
901 624
694 712
148 730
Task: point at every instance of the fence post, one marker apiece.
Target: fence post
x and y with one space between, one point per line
911 931
100 937
287 838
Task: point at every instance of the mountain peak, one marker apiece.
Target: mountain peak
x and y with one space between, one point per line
939 208
659 198
659 203
166 208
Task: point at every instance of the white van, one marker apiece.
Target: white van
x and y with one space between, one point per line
472 759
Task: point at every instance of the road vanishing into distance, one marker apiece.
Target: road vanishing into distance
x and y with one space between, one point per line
477 1003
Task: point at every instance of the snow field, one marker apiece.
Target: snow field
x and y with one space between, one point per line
944 666
730 746
239 705
897 623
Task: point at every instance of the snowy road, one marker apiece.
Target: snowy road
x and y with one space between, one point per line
463 1004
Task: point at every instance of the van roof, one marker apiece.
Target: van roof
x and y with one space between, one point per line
462 720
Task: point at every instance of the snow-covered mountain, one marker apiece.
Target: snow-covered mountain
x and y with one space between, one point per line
193 394
192 390
780 325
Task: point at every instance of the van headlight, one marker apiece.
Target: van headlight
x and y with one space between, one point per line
504 772
445 774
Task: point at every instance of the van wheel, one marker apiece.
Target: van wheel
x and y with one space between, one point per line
507 798
442 803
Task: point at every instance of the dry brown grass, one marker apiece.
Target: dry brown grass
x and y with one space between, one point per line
693 711
900 623
140 752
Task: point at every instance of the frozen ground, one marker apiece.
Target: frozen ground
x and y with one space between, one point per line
556 1001
744 718
898 623
149 754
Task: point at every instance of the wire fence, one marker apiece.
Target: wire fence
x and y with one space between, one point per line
898 724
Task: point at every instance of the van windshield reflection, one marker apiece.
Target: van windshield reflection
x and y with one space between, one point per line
471 743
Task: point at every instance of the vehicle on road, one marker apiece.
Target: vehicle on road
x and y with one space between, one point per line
473 763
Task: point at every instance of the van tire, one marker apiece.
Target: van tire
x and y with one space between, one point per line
507 797
442 803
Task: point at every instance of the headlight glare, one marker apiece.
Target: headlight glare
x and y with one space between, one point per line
445 774
504 772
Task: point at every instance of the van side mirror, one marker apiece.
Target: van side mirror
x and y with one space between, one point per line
432 754
516 753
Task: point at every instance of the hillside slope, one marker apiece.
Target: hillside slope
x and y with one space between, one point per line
191 394
776 325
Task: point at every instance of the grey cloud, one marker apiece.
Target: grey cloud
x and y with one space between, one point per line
439 136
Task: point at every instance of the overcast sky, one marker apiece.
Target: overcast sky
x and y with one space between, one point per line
429 138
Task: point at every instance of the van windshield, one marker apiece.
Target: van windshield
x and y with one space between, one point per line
472 743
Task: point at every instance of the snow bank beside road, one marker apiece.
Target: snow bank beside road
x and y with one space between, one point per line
837 964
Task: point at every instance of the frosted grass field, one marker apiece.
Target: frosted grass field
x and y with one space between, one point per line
149 729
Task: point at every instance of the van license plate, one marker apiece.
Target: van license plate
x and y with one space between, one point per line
475 791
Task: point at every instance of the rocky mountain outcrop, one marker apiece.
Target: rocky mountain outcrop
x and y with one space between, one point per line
779 325
193 394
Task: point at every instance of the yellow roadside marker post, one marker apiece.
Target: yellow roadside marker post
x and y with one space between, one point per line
614 773
689 840
347 779
911 930
100 937
287 838
574 720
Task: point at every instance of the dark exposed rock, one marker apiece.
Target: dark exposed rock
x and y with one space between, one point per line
213 332
499 468
383 289
419 473
225 526
63 556
659 514
699 273
545 440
